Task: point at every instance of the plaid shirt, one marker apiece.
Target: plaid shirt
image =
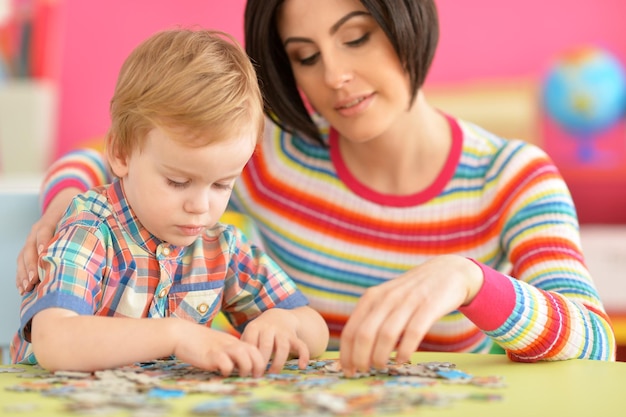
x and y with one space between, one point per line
103 262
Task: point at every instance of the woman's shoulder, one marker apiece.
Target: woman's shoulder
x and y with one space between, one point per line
285 150
274 130
480 142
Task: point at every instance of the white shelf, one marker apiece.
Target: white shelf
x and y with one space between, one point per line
27 125
27 183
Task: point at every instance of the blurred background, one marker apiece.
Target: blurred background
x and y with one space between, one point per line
547 71
59 61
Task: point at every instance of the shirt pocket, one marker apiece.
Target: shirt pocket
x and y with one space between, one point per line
199 304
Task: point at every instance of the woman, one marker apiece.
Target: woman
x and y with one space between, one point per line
406 228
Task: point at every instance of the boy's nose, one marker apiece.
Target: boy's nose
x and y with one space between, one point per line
197 203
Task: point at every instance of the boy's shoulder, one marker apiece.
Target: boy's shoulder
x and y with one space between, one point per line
88 208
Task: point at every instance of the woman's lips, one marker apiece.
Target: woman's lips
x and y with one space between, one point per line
354 106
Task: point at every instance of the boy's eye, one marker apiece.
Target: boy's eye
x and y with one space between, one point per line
223 186
177 184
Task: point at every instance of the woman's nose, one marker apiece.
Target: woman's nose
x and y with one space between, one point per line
337 74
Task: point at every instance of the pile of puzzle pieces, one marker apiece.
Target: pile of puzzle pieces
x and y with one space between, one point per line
147 389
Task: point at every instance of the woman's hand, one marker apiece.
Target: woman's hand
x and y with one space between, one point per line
397 314
40 234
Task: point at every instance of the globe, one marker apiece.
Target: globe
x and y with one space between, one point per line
585 93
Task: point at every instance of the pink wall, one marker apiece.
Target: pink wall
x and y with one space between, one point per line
97 37
501 39
480 40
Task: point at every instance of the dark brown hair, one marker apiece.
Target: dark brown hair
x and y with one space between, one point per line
412 27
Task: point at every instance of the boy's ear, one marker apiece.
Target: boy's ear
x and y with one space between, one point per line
117 161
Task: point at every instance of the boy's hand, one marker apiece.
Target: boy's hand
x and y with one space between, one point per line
219 351
274 332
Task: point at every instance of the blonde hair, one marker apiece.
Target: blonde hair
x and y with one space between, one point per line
198 85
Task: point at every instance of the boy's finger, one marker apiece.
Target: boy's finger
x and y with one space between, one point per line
278 362
223 363
266 345
303 354
258 362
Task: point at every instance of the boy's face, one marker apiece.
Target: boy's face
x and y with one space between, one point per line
177 191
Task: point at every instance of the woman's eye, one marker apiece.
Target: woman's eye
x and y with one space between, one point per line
359 41
310 60
177 184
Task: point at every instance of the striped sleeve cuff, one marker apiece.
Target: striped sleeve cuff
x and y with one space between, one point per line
494 302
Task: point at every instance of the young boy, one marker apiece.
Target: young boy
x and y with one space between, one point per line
138 270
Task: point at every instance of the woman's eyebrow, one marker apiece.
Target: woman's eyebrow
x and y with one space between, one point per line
333 29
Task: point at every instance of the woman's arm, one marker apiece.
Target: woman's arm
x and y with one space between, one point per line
81 169
547 308
557 313
75 172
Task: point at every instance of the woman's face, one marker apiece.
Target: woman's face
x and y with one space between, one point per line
345 65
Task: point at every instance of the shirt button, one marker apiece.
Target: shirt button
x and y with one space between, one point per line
166 251
163 293
202 308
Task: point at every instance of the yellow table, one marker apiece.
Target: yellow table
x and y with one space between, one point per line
568 388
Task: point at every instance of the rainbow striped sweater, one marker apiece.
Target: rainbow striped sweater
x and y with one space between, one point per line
499 202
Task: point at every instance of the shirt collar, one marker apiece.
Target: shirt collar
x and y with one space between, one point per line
127 220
